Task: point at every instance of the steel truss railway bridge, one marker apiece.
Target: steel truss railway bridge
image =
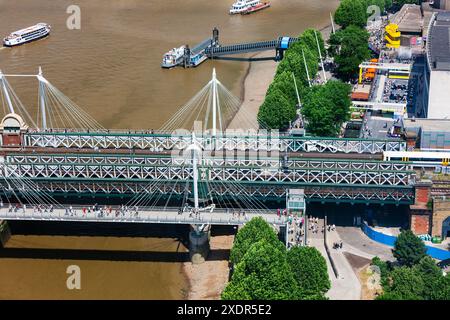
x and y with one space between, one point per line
225 172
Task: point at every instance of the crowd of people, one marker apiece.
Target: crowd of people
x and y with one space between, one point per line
296 230
395 91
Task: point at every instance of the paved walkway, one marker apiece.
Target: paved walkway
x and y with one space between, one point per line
346 286
356 242
139 215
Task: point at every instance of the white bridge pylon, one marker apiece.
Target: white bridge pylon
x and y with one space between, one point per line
214 106
54 109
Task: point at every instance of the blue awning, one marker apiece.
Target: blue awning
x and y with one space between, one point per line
284 43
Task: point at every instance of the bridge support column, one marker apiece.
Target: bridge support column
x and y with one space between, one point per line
5 233
199 244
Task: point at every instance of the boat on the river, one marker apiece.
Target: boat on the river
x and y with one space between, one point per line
29 34
260 6
240 6
172 58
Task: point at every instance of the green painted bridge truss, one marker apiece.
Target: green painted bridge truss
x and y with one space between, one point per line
265 178
233 141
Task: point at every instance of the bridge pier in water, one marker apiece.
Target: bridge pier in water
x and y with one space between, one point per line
199 243
5 233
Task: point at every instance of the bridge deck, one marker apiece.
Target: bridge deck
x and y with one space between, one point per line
145 215
232 141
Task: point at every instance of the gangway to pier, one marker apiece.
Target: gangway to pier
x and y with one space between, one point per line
211 48
280 45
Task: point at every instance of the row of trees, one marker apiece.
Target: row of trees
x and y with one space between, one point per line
322 111
280 104
265 270
415 276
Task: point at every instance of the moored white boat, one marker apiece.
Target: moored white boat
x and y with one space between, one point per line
172 57
240 6
29 34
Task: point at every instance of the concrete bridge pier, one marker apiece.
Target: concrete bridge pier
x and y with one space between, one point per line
199 243
5 233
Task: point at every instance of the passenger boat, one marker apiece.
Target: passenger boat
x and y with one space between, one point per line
173 57
29 34
259 6
240 6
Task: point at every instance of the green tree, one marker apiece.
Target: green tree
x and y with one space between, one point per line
284 82
442 289
349 48
254 230
350 12
406 284
293 62
262 274
276 111
408 249
384 270
436 286
310 272
308 37
388 4
318 112
326 107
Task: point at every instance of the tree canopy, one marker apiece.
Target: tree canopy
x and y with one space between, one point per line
406 284
293 62
284 82
310 272
276 110
308 37
326 107
349 48
423 281
262 274
408 248
351 12
255 230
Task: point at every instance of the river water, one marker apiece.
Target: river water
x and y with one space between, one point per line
111 68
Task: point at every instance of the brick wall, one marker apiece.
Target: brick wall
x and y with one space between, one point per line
422 194
441 211
420 223
11 140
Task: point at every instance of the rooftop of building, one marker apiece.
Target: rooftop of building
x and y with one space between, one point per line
438 50
409 19
427 124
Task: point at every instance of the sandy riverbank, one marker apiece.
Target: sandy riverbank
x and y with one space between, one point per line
257 80
207 280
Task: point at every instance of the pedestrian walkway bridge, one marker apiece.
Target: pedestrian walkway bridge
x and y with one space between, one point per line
139 215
